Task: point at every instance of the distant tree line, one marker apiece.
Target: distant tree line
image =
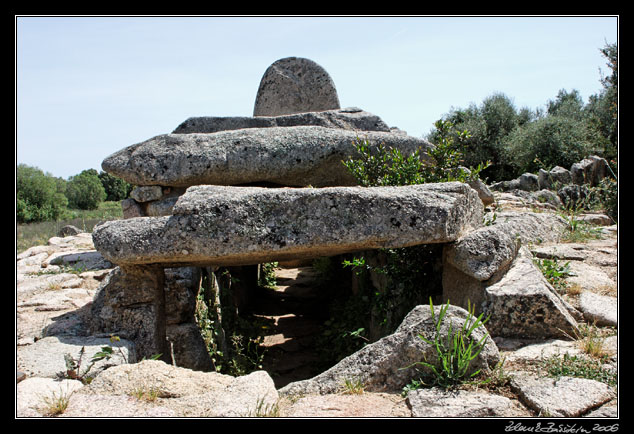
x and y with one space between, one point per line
517 141
41 196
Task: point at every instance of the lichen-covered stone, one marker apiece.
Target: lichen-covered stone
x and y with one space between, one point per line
523 304
216 225
295 85
289 156
348 119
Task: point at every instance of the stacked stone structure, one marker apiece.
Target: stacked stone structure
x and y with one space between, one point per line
241 191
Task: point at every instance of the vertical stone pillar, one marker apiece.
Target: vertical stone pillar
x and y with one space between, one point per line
131 304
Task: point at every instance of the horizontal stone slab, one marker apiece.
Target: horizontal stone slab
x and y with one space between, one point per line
349 119
216 225
290 156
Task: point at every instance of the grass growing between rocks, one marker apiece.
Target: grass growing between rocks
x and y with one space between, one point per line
55 404
580 367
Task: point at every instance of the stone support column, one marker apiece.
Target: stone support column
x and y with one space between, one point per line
131 304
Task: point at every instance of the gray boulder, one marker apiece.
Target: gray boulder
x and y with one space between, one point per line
387 364
483 252
69 230
290 156
130 303
528 182
523 304
589 171
573 195
532 227
147 193
295 85
215 225
599 309
557 176
489 270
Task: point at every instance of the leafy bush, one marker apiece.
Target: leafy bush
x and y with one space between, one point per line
383 166
380 166
85 191
39 196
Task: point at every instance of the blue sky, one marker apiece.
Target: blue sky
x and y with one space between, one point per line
89 86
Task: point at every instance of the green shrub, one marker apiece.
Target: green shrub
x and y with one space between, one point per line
39 196
380 166
116 188
550 141
85 191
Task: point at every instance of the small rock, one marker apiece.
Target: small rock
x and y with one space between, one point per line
69 230
437 402
600 309
147 193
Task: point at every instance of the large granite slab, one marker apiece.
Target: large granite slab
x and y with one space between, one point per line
290 156
216 225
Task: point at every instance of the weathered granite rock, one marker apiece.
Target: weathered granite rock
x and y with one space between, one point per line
188 393
386 365
523 304
532 227
181 289
488 270
146 193
131 208
562 397
572 195
83 405
45 357
599 309
483 252
483 191
216 225
69 230
528 182
295 85
35 396
436 402
131 304
290 156
590 171
518 299
590 277
557 176
351 118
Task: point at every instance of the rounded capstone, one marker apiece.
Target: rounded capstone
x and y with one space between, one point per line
295 85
